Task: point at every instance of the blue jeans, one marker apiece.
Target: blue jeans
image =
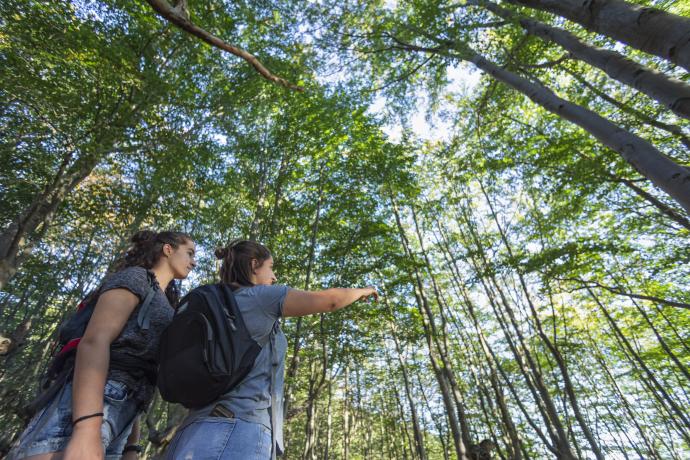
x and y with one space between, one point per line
51 428
216 438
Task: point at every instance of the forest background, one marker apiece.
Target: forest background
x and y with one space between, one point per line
510 174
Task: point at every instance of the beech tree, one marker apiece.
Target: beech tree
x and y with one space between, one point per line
534 287
649 29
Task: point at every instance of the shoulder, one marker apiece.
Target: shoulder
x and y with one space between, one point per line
132 273
268 299
134 279
265 290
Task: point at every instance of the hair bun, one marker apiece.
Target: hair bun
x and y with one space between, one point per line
143 236
221 253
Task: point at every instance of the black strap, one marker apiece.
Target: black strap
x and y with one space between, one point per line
274 396
144 316
86 417
136 367
132 448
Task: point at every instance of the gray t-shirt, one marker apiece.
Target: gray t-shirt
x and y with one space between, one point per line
133 340
261 308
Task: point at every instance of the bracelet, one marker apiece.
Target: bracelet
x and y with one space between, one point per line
132 448
97 414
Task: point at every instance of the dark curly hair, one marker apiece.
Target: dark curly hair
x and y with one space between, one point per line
146 249
236 269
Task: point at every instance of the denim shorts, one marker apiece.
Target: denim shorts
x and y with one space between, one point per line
50 429
216 438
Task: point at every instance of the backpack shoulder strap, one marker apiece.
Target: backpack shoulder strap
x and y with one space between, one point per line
274 396
144 316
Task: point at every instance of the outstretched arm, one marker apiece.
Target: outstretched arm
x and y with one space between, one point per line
300 303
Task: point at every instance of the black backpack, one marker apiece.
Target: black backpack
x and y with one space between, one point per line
206 350
69 335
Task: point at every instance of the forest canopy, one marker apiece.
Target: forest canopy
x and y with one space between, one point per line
512 175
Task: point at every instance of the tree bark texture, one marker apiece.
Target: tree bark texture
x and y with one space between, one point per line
669 176
675 130
670 92
648 29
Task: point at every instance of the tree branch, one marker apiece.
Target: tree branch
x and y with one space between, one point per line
593 284
163 8
403 77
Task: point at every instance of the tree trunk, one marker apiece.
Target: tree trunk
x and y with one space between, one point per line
461 448
346 413
16 241
528 366
309 452
416 426
406 441
329 424
515 445
439 427
570 391
669 176
675 130
632 415
657 388
443 347
648 29
297 338
670 92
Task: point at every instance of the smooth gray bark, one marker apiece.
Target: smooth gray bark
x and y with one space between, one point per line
669 176
648 29
675 130
672 178
670 92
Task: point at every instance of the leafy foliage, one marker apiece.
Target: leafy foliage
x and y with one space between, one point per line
531 280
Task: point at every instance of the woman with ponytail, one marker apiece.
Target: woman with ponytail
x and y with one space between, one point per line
94 415
239 425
